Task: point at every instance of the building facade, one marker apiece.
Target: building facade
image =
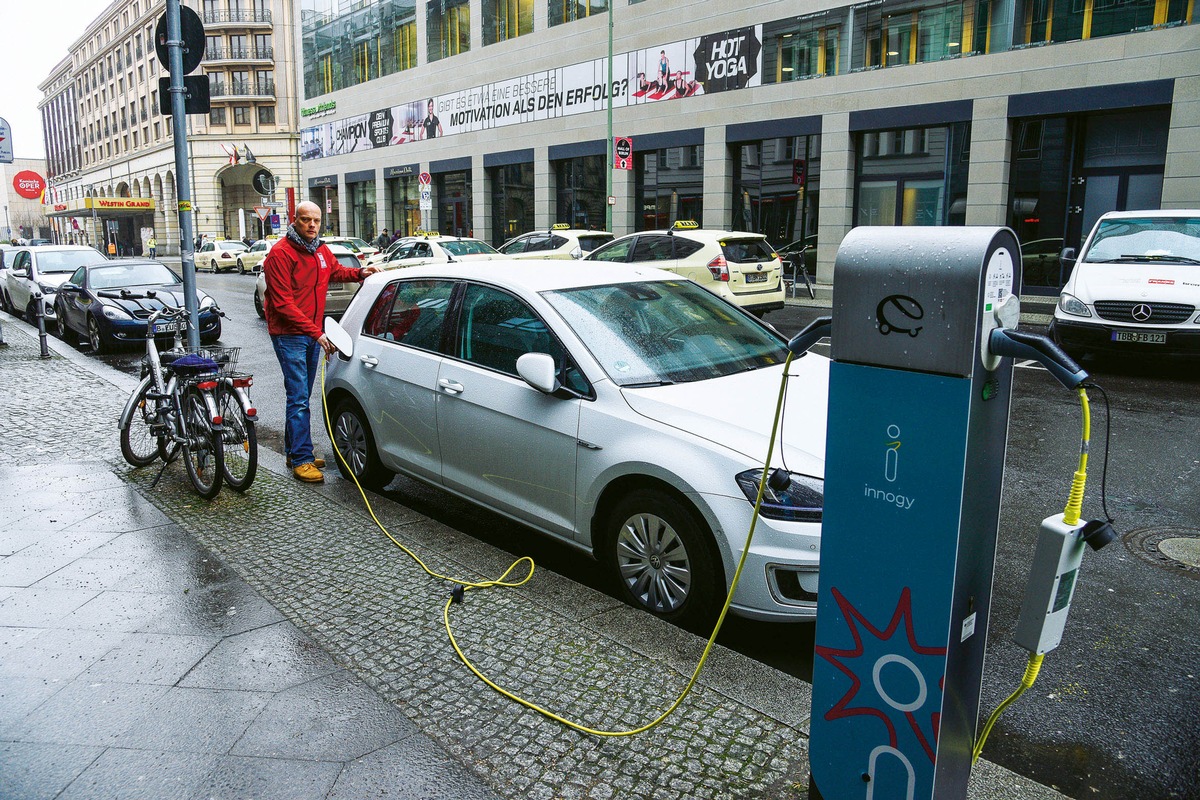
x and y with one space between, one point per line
110 148
1035 114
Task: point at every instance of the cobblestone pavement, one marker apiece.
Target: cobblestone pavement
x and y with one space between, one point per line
315 555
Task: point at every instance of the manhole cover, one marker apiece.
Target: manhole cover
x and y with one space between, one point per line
1177 549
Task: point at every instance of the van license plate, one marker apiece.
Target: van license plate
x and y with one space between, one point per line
756 277
1139 337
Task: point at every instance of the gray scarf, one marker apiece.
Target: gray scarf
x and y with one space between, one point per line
300 241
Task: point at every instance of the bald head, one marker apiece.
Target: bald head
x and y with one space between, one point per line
308 220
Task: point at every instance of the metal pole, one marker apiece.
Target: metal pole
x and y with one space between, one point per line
183 184
608 170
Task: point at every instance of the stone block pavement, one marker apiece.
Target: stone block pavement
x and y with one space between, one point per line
277 644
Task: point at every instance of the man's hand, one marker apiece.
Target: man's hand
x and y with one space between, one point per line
329 347
371 270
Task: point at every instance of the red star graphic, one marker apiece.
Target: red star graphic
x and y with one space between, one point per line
854 621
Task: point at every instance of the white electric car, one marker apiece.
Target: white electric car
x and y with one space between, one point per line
623 410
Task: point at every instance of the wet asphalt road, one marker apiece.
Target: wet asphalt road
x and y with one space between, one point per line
1113 714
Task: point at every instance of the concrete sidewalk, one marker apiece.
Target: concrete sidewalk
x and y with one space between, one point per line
278 645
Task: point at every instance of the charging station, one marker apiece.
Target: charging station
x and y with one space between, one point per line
917 431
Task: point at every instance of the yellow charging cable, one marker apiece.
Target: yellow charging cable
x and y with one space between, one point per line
1071 517
502 580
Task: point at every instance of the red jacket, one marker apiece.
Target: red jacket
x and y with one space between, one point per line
296 286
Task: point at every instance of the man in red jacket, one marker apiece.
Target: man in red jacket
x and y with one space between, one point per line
298 271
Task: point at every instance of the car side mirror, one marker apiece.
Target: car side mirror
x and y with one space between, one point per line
539 371
1067 254
68 288
577 253
20 272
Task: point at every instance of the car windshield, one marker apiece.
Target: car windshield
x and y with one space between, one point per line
67 260
359 244
114 276
659 332
1175 239
231 245
467 247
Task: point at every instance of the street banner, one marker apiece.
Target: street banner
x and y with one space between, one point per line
719 62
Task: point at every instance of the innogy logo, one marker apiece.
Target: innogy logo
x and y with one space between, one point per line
891 471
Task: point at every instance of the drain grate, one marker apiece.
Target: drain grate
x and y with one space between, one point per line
1176 549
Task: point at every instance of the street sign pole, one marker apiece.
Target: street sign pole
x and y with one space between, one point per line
183 185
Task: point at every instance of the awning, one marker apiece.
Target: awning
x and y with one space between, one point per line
103 206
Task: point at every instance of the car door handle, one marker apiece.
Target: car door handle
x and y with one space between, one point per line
370 361
453 387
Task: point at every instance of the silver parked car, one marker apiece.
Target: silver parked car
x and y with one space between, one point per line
623 410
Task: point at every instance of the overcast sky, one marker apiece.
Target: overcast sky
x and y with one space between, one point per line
34 36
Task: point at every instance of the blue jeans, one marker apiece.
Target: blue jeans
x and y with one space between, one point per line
300 358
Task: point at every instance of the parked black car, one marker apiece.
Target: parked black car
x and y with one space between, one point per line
107 322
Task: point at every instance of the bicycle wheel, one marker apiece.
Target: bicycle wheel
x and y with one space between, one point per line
140 439
240 459
202 451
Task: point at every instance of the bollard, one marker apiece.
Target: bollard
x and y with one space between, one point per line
40 312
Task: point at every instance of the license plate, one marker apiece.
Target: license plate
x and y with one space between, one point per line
1139 337
757 277
336 287
167 327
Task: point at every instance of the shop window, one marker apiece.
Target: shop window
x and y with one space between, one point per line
405 213
362 210
561 11
580 199
506 19
780 199
512 201
913 176
448 28
669 186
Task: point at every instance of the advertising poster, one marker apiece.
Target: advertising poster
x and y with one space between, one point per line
719 62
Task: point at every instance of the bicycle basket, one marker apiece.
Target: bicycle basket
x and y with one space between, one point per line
205 360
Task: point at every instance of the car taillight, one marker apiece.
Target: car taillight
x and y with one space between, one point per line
362 256
226 255
719 269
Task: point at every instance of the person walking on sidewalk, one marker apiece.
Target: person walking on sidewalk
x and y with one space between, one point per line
152 244
298 272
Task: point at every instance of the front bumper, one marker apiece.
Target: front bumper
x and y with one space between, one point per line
134 330
779 580
1097 337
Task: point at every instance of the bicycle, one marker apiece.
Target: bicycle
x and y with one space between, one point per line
796 256
190 400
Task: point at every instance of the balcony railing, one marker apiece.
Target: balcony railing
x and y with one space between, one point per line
241 89
226 17
239 54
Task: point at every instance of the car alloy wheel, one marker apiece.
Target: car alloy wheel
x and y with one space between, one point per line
258 306
64 331
241 267
660 555
355 444
215 269
96 337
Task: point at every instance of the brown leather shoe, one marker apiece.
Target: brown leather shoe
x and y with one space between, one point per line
308 473
319 463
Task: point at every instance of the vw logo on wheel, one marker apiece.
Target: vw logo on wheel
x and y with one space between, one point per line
1142 312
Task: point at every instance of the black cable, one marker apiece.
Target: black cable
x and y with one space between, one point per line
1107 439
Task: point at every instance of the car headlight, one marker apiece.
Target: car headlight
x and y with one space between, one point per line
207 302
788 495
1069 304
115 312
47 288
